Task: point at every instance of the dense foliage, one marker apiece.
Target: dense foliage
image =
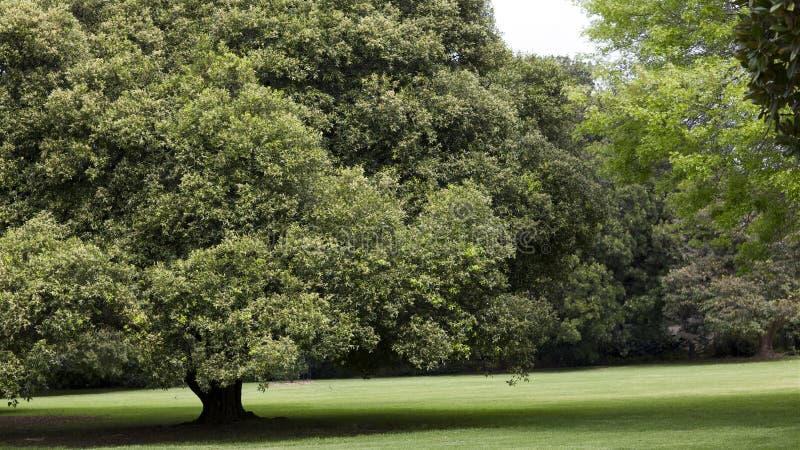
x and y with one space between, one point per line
60 299
768 38
672 113
363 183
204 193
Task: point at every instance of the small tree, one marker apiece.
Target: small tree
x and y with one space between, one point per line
754 302
779 276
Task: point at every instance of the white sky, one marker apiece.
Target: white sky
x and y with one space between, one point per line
544 27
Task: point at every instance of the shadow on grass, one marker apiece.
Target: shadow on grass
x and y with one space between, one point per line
773 410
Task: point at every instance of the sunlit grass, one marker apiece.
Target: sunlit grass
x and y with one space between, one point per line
721 405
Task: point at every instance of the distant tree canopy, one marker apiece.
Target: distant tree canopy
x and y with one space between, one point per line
681 122
671 113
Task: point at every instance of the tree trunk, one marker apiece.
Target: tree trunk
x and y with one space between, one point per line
765 349
220 404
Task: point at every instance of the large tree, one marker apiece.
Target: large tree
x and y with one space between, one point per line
196 145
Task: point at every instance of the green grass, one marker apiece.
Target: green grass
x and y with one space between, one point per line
715 405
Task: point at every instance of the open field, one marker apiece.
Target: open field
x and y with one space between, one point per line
714 405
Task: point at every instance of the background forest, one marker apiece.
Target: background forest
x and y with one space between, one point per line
208 192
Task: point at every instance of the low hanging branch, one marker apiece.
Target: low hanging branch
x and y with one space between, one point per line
768 45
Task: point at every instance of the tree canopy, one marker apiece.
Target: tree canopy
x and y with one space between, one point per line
672 113
278 183
208 193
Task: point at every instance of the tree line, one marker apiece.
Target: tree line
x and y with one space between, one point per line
205 193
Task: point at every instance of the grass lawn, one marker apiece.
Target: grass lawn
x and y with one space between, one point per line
713 405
